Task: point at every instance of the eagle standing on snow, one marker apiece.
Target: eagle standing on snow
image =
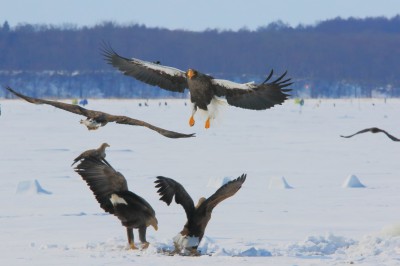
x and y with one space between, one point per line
111 191
203 88
197 216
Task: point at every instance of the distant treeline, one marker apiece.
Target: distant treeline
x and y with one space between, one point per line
334 58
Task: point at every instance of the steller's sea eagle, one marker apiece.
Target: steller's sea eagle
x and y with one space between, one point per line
111 191
203 88
373 130
197 216
96 119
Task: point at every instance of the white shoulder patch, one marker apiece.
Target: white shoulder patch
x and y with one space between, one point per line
115 200
233 85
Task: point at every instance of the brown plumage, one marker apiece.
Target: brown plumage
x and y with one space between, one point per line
203 88
99 153
373 130
197 216
111 191
95 119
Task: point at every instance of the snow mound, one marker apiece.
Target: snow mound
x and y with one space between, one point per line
218 182
319 245
352 181
278 183
30 187
391 230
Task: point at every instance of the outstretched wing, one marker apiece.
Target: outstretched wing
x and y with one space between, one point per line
73 108
253 96
224 192
135 122
165 77
168 188
359 132
102 179
390 136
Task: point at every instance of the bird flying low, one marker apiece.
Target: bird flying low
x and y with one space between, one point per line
198 216
96 119
111 191
373 130
204 89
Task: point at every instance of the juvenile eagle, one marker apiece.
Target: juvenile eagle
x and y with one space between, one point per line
111 191
197 216
203 88
96 119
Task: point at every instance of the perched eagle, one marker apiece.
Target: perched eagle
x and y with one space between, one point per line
111 191
96 119
197 216
204 89
373 130
99 153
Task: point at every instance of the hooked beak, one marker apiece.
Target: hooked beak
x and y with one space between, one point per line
190 73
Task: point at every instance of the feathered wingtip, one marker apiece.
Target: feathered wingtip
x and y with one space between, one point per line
281 83
107 51
164 190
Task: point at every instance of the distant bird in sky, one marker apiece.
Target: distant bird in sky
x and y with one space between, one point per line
204 89
99 153
96 119
198 216
373 130
111 191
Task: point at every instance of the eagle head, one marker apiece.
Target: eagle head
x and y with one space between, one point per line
191 73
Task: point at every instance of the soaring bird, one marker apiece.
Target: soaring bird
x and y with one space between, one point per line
96 119
204 89
111 191
197 216
99 153
373 130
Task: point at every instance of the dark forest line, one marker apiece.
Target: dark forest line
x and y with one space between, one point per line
334 58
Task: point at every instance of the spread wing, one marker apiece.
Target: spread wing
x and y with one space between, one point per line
168 188
390 136
135 122
101 116
102 179
253 96
359 132
73 108
165 77
224 192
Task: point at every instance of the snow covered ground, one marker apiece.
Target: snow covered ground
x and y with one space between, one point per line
297 206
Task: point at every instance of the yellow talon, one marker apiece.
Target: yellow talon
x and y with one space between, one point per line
145 245
132 246
207 125
191 121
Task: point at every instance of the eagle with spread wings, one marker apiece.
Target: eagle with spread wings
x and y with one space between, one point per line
204 89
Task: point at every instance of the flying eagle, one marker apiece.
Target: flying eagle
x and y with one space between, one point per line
203 88
99 153
197 216
96 119
373 130
111 191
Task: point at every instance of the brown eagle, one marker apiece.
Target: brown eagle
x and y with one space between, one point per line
111 191
204 89
96 119
197 216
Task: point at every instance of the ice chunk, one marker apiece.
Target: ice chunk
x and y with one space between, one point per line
31 187
278 183
352 181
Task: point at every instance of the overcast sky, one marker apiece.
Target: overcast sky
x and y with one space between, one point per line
194 15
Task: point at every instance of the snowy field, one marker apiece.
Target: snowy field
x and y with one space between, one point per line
298 205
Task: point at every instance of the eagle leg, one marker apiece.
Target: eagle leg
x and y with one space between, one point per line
142 237
129 232
207 125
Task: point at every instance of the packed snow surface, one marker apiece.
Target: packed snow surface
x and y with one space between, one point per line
317 222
